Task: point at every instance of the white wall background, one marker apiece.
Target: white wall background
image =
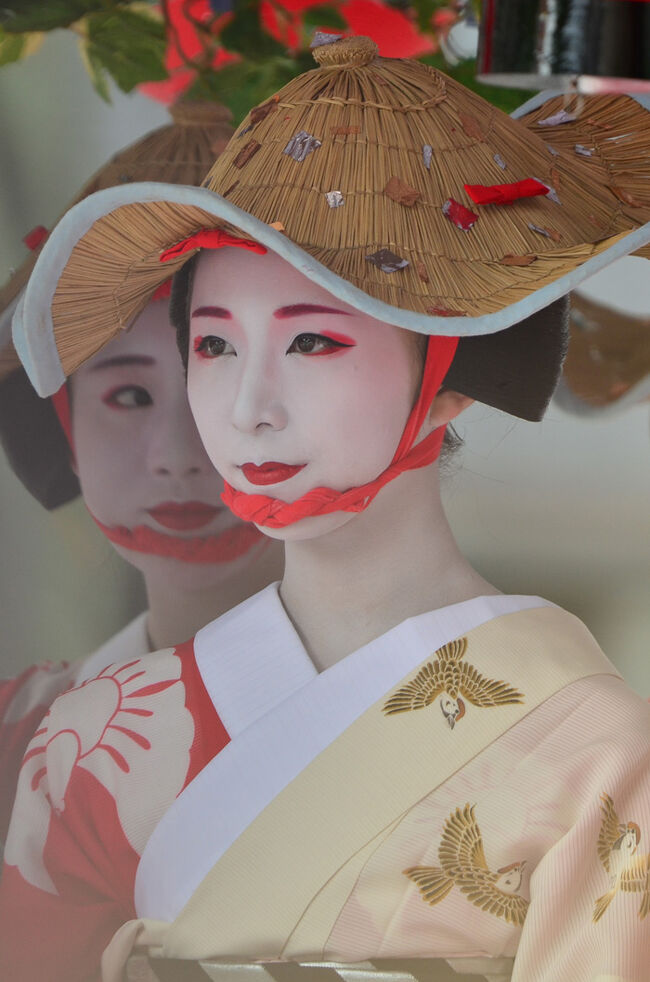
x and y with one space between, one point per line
559 508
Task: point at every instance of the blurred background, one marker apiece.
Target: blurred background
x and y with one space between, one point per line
559 509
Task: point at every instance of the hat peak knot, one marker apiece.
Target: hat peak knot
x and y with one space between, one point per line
352 52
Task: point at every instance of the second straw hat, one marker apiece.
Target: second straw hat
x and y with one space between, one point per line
179 152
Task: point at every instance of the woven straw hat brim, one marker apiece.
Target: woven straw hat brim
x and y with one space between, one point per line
102 264
94 275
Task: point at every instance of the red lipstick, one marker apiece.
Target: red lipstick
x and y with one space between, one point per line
183 516
270 472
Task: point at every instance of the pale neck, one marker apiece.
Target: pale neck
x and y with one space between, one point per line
393 561
175 615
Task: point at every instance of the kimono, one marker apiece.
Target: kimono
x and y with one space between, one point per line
25 699
471 789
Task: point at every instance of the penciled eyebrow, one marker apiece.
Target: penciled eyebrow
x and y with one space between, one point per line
299 309
282 313
118 361
212 312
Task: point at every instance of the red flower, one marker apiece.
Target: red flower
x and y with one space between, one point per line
393 30
185 45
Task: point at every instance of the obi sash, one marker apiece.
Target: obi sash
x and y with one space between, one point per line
259 854
142 969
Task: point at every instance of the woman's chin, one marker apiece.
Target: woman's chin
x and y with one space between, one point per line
309 528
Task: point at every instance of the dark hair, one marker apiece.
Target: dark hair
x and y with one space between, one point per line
36 447
179 306
515 370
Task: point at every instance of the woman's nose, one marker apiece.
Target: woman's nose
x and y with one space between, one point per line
175 449
258 401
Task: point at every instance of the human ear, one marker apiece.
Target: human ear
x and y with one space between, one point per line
446 406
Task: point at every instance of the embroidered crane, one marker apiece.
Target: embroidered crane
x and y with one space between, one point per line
450 677
463 864
617 850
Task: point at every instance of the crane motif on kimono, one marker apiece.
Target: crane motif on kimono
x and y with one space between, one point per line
617 850
449 677
463 864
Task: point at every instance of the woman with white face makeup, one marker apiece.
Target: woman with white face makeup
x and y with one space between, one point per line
126 439
149 485
383 757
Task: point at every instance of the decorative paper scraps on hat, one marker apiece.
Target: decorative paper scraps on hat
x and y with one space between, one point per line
258 113
552 150
511 260
401 192
246 152
301 145
552 194
387 261
344 130
442 311
625 196
550 233
505 194
321 37
558 119
422 272
471 126
498 159
334 199
583 151
427 151
461 216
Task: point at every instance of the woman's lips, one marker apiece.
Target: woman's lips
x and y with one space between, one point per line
183 516
270 472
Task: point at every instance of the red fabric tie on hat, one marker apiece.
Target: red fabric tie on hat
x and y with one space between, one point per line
505 194
209 238
274 513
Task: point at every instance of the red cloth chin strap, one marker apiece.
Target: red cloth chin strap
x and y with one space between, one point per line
61 403
274 513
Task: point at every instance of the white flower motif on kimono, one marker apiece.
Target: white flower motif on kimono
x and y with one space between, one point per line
116 726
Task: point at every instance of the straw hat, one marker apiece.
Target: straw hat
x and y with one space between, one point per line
179 152
607 368
356 173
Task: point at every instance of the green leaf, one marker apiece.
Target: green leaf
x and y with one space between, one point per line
320 18
17 16
129 46
424 11
12 47
95 70
244 34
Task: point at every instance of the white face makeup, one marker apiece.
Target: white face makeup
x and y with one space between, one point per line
292 389
138 455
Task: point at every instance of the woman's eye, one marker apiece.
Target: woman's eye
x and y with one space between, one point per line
211 346
128 397
315 344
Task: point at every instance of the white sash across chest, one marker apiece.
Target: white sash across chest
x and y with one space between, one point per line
280 714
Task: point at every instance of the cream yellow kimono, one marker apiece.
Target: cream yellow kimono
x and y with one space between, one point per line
472 788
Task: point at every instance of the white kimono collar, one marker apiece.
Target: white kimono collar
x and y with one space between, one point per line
236 657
